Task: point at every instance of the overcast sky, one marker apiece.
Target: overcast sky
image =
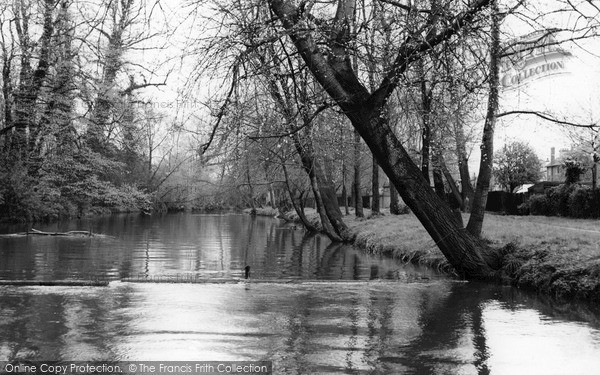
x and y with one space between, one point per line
572 95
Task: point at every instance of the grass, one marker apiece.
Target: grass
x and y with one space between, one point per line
557 256
553 255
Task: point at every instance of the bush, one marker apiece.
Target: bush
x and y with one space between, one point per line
581 202
538 205
523 209
558 200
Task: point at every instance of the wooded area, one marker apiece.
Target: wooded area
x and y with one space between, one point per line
302 87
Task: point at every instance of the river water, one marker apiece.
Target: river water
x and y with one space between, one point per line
310 307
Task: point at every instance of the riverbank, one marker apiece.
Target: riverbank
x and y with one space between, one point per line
555 256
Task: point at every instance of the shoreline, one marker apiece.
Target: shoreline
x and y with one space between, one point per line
540 254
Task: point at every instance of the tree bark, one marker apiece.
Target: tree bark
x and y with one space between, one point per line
426 98
394 201
297 204
112 64
475 224
467 254
356 190
463 165
30 82
375 209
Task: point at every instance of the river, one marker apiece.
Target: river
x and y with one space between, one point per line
309 306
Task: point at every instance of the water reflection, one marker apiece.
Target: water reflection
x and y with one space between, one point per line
335 327
344 313
192 246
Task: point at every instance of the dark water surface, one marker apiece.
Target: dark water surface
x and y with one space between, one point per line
311 307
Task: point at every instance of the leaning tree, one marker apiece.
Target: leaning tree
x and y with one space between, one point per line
326 44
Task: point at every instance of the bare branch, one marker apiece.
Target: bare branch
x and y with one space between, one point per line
221 113
405 7
297 128
548 117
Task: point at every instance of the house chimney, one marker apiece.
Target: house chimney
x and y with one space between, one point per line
552 151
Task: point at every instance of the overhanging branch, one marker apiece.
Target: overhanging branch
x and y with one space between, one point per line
410 51
221 113
547 117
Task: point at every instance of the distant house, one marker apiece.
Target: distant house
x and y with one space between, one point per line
555 171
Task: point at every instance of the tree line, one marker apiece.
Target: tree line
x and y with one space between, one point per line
75 136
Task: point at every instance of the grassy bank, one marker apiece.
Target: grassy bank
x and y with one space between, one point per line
556 256
553 255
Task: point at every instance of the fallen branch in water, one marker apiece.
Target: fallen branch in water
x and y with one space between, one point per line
72 233
69 233
53 282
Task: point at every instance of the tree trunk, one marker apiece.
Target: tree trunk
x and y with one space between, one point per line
438 176
375 210
325 200
358 203
344 189
467 254
326 224
426 98
451 183
330 202
250 189
30 82
394 201
595 173
297 204
463 165
345 193
112 64
487 143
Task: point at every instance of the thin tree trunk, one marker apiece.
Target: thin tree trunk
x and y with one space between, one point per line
250 189
330 203
463 164
438 175
394 201
451 183
358 203
487 143
595 173
297 205
345 191
426 98
375 209
344 172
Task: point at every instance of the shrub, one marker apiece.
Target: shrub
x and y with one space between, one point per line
538 205
581 202
574 169
558 199
523 209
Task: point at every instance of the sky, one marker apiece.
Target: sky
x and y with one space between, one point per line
573 94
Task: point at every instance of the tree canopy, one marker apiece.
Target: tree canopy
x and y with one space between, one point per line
516 163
